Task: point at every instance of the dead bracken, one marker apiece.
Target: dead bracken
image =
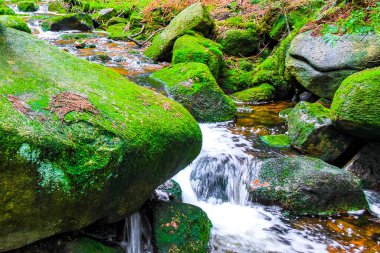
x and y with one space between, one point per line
20 105
66 102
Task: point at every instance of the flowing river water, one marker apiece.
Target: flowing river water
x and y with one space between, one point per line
231 154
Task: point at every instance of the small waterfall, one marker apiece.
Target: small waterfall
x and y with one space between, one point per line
136 235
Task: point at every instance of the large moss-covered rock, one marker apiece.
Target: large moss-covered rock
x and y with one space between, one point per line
311 131
307 185
198 49
321 67
366 166
79 142
27 6
104 15
15 23
81 22
180 228
356 104
195 17
239 42
5 10
262 93
193 85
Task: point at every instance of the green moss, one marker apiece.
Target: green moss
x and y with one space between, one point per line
193 85
117 20
306 186
116 32
85 245
27 6
239 42
235 80
77 36
15 23
57 6
276 141
195 17
180 228
82 22
113 157
262 93
198 49
5 10
356 105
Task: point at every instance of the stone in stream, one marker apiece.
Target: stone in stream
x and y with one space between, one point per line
169 191
193 86
307 185
27 6
276 140
321 67
179 227
356 105
79 142
366 166
190 48
311 131
15 23
239 42
81 22
195 17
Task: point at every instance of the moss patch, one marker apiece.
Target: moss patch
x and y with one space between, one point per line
15 23
5 10
27 6
276 141
262 93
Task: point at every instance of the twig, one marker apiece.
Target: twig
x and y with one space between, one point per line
141 44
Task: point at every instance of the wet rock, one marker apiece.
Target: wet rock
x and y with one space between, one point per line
193 86
321 67
15 23
81 22
239 42
311 131
366 166
307 96
276 140
79 143
195 17
180 228
356 105
198 49
307 185
27 6
262 93
169 191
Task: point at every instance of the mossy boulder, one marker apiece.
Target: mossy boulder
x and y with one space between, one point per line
81 22
104 15
366 166
117 20
180 228
239 42
356 104
5 10
262 93
79 142
311 131
27 6
195 17
198 49
321 67
85 245
307 185
193 86
57 6
15 23
276 140
169 191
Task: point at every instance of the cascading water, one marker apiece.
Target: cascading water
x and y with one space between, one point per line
136 235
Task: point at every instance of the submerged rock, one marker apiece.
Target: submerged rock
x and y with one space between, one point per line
15 23
27 6
311 131
193 85
198 49
180 228
307 185
356 105
195 17
321 67
239 42
81 22
262 93
79 142
366 166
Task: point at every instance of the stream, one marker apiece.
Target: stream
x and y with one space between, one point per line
231 153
